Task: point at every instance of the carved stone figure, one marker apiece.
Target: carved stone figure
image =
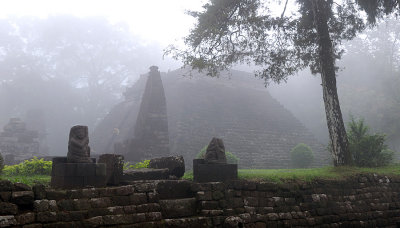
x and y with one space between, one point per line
215 152
78 145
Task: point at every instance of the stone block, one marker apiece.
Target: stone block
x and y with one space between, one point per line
130 209
173 189
39 191
101 169
145 186
153 216
8 208
46 217
81 204
150 207
177 208
21 187
25 218
85 169
22 197
66 205
203 172
98 212
41 205
114 167
93 222
100 202
72 175
145 174
8 220
124 190
138 198
206 195
5 196
120 200
174 164
6 185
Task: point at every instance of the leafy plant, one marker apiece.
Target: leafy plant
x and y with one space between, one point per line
230 158
1 163
142 164
301 156
34 166
367 150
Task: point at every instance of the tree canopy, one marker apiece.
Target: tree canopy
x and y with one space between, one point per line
230 32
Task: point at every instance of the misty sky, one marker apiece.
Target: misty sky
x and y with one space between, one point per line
162 21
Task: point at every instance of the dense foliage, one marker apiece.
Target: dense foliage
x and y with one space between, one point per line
301 156
34 166
368 150
230 158
142 164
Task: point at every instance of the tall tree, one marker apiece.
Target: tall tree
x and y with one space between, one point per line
245 31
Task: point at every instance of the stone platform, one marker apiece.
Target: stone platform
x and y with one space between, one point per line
205 172
75 175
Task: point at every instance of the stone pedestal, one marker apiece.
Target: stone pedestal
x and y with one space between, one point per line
77 175
205 172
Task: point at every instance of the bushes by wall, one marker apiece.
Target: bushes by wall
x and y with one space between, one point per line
368 150
301 156
34 166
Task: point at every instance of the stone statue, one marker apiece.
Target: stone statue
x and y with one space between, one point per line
78 145
215 152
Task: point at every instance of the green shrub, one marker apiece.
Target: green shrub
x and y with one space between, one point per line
301 156
230 158
142 164
34 166
367 150
1 163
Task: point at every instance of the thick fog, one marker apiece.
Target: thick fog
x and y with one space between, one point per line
69 70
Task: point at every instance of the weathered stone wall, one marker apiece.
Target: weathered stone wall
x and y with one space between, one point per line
362 201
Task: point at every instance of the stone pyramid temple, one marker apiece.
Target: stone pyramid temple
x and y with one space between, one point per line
235 107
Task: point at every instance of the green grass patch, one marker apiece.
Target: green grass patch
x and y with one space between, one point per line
28 179
307 175
188 175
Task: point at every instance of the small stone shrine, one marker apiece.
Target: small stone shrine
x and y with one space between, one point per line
17 143
78 169
214 166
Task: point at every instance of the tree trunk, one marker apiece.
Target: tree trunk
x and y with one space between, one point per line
337 133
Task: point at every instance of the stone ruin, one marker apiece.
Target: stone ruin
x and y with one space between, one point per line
214 167
17 143
236 107
78 169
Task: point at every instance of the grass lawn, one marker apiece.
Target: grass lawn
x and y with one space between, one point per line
29 180
273 175
280 175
